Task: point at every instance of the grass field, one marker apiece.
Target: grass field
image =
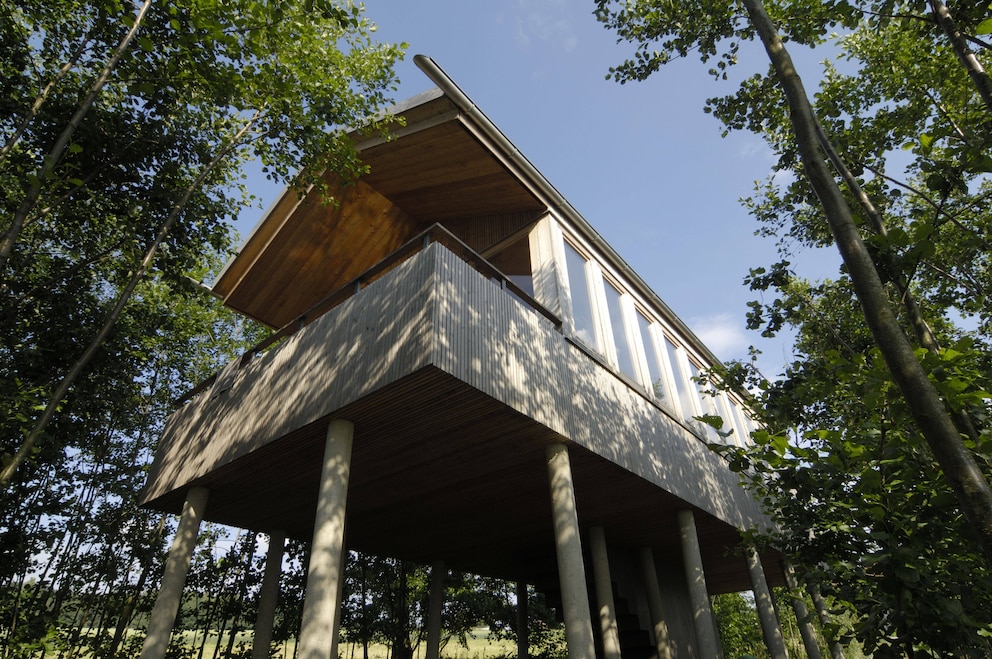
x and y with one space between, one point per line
480 646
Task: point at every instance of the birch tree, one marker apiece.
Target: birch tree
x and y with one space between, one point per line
128 131
910 235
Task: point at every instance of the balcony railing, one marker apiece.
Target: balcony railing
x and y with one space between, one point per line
434 234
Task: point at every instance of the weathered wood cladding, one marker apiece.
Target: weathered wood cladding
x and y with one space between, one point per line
317 248
434 309
488 340
481 233
369 341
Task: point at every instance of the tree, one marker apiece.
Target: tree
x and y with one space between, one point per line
858 498
916 246
175 101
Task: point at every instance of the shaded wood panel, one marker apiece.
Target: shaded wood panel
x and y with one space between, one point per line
482 232
438 156
494 344
374 338
319 248
444 172
256 244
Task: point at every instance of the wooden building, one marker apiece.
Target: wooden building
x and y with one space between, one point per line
472 378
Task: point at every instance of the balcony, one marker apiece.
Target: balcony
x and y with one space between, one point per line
456 381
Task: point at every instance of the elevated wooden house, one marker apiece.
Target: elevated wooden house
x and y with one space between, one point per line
470 377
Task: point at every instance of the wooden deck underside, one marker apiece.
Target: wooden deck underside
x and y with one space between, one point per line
455 389
442 471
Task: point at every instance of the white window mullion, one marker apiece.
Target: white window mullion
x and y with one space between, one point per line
600 312
638 352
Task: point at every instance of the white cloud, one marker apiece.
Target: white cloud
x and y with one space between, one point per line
541 22
723 333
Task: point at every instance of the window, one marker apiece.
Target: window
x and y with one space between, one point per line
686 394
578 283
730 423
707 402
514 262
655 361
745 424
625 353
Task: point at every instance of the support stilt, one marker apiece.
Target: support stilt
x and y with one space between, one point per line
163 615
324 574
702 612
571 570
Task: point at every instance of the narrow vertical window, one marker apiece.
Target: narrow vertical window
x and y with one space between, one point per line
625 356
726 407
707 402
659 387
682 387
582 318
745 423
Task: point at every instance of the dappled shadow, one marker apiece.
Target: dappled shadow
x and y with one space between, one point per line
497 345
372 339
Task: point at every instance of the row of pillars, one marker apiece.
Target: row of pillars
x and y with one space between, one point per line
325 576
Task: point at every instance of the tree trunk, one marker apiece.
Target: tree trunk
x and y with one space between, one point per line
54 157
7 475
960 468
967 58
401 630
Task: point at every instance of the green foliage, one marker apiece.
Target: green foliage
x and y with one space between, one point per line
87 192
854 489
857 495
737 620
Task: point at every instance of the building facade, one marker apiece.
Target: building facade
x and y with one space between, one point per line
467 376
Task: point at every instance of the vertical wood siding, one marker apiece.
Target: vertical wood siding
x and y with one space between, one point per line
492 342
481 233
374 338
434 309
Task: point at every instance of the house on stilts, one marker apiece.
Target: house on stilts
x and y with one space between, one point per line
468 377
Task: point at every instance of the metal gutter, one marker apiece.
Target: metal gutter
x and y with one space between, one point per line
555 199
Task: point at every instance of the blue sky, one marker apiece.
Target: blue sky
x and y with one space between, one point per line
641 162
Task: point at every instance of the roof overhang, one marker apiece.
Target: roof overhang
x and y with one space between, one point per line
445 159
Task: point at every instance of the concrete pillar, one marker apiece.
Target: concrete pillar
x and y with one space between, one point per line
571 570
434 610
836 652
324 574
268 596
604 593
163 615
655 606
770 629
523 631
702 613
802 614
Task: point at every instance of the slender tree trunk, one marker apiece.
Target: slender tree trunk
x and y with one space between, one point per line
401 629
967 58
42 97
7 475
55 154
132 600
928 410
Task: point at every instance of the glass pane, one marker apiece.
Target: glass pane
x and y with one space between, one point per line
625 358
706 401
582 321
729 422
655 363
745 423
514 262
681 386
